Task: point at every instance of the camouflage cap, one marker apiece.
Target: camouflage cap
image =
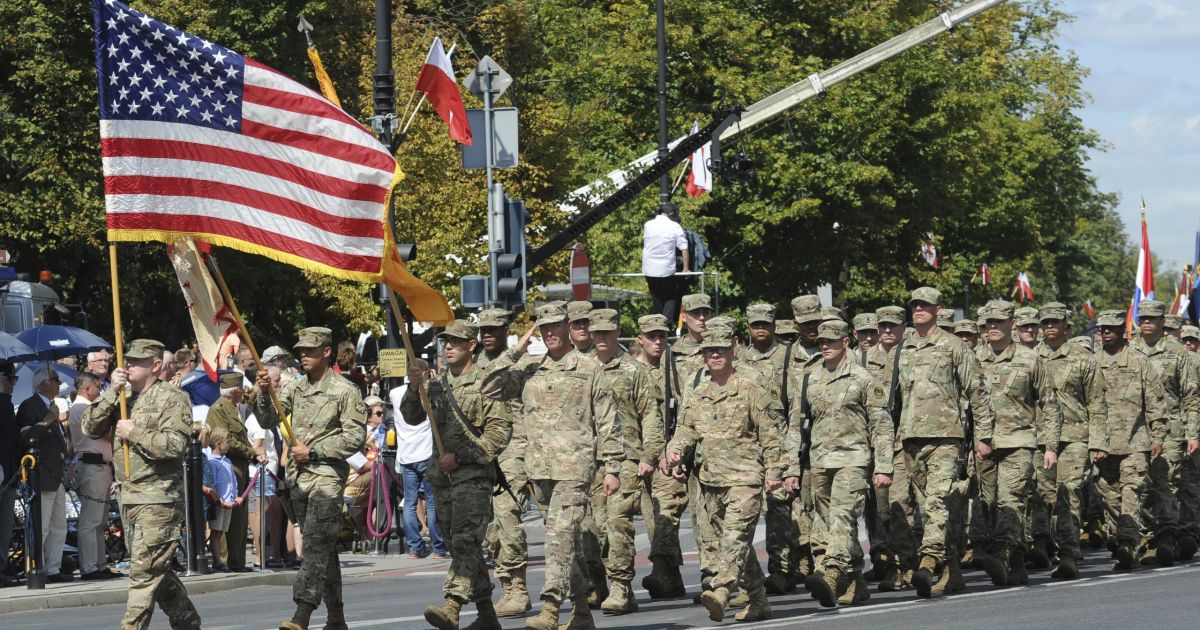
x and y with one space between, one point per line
719 338
274 352
945 317
696 301
145 349
460 329
966 326
313 337
1054 310
1173 322
494 318
1114 317
785 327
833 329
806 308
1189 332
928 295
866 321
1026 315
579 310
760 313
890 314
229 380
1151 308
652 323
604 320
1085 342
832 312
551 313
996 309
721 322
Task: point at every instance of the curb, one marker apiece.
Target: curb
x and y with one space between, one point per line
195 586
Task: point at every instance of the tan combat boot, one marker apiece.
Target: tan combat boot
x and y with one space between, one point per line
444 617
848 595
581 616
505 592
758 608
996 566
861 591
892 580
546 619
952 580
518 597
741 600
620 600
1166 550
1124 557
715 601
825 586
1039 553
335 618
923 577
487 619
1017 576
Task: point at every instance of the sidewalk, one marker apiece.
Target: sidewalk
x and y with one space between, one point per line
78 593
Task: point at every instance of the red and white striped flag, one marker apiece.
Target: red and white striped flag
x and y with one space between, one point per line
200 141
1088 309
985 275
1023 289
437 81
700 180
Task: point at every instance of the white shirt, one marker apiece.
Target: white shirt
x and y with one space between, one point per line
255 432
414 443
660 238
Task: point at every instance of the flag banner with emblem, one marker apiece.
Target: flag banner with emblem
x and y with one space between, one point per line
211 317
700 180
199 141
929 253
1088 309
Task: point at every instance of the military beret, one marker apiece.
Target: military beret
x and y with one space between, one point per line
696 301
718 338
722 322
806 308
1026 315
785 327
460 329
833 329
1172 322
313 337
1189 332
996 309
1151 308
866 321
604 320
651 323
832 312
966 326
1114 317
1054 310
579 310
928 295
890 314
229 380
145 349
760 313
494 317
550 314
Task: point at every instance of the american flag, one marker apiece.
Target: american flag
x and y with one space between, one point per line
200 141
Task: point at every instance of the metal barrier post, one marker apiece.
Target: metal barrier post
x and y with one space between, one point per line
193 501
35 573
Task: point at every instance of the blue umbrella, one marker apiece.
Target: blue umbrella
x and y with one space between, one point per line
13 351
55 342
202 389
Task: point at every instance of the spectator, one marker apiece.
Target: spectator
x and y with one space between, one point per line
222 494
93 480
98 364
244 363
346 364
661 237
40 419
10 458
167 373
263 442
278 357
185 364
376 428
414 445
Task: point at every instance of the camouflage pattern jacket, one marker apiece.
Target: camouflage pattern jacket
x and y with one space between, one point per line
634 402
501 367
1021 390
849 421
1080 393
1173 362
937 373
224 414
1137 411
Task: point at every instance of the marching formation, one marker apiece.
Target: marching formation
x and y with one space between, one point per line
1001 444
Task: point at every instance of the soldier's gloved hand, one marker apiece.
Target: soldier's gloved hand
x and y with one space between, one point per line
124 428
1192 447
1049 460
773 484
1156 450
118 378
791 484
883 480
645 469
612 483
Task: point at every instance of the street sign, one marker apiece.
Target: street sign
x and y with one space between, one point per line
581 274
474 82
504 134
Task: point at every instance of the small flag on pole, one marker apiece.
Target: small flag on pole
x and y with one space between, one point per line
1088 309
985 275
699 180
1023 289
1144 282
929 253
437 81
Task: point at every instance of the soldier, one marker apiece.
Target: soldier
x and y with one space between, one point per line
763 348
1027 326
866 335
472 420
845 407
1190 336
157 433
567 436
1174 479
697 310
1056 506
968 331
578 314
1173 324
665 498
328 420
1021 390
806 352
895 508
785 331
224 414
945 320
936 373
728 421
1137 430
506 534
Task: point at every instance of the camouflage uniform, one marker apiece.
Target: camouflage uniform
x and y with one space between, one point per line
329 417
151 495
806 309
225 415
896 513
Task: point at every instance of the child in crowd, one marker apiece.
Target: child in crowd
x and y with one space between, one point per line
222 493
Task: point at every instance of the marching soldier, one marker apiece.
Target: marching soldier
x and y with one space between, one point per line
866 336
1026 319
945 320
1190 336
579 315
328 425
785 331
151 492
895 507
968 332
806 352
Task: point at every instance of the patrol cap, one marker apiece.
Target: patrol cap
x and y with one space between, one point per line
945 317
494 318
966 326
1173 322
785 327
760 313
1085 342
274 352
605 319
145 349
996 309
652 323
806 308
721 322
579 310
833 329
928 295
1190 332
890 315
1054 310
460 329
230 380
313 337
696 301
865 321
719 338
1026 315
1151 308
832 312
550 314
1113 317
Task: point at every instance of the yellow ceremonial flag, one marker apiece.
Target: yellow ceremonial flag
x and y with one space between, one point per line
323 77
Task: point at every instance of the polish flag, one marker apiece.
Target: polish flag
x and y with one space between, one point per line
700 179
1088 309
1023 289
440 87
985 275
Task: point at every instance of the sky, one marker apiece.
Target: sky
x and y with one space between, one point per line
1144 57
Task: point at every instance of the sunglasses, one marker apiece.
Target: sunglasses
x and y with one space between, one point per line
376 413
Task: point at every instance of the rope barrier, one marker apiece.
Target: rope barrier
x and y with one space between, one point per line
377 479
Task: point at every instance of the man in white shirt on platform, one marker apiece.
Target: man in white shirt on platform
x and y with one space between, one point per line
661 237
93 480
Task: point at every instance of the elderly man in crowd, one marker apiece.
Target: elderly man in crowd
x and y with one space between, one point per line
40 419
93 480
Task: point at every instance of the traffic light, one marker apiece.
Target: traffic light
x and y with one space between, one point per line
511 277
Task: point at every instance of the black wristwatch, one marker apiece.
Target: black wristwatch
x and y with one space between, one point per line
313 455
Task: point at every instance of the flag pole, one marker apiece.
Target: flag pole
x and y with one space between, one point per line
118 341
400 323
284 423
679 178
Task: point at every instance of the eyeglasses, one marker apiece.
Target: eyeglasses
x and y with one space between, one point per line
376 414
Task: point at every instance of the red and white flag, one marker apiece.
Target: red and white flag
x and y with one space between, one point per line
211 318
1088 310
1023 289
699 181
985 275
437 81
929 253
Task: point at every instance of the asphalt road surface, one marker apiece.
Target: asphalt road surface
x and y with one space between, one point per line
1147 598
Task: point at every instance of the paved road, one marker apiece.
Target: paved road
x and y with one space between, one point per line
1158 598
